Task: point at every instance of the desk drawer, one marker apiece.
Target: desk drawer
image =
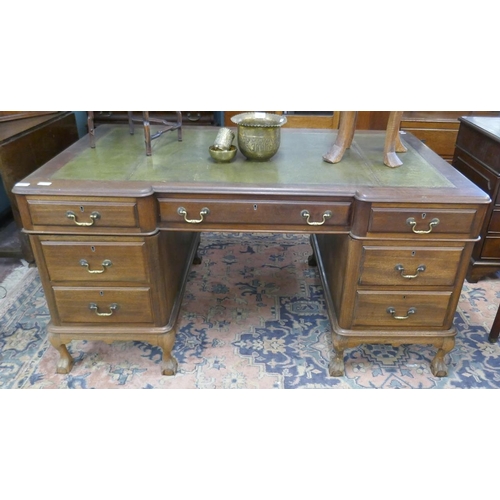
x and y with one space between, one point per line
95 260
414 309
409 266
103 305
433 222
83 215
274 214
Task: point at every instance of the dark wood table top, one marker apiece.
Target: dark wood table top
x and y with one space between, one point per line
118 164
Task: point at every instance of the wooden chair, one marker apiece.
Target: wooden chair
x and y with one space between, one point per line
146 122
345 136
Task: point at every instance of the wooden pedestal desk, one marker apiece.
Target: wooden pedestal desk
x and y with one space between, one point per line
115 232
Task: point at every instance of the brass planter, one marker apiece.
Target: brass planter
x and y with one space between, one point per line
259 134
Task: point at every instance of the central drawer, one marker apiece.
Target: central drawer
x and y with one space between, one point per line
274 214
401 310
103 305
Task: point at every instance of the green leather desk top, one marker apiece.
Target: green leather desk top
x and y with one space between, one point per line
119 156
118 166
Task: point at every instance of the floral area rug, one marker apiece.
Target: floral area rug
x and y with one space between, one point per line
253 316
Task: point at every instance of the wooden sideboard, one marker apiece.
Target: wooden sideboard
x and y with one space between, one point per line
115 232
27 141
477 156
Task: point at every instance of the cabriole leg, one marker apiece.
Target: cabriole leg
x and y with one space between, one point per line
65 362
438 366
336 367
169 363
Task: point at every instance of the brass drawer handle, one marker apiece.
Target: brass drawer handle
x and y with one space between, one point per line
112 309
203 212
392 311
94 216
412 222
105 263
401 269
307 215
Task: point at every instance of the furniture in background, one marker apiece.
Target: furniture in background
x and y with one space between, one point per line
4 202
477 156
438 129
202 118
114 254
146 120
27 141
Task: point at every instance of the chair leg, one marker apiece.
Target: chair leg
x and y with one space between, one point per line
147 132
179 123
90 124
347 126
130 122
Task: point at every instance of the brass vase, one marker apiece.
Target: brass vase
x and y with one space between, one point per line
259 134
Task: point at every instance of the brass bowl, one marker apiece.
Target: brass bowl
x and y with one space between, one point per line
259 134
222 156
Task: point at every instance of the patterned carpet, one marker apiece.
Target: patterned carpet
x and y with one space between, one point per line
253 316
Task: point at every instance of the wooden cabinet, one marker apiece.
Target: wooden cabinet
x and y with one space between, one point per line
27 141
438 129
477 156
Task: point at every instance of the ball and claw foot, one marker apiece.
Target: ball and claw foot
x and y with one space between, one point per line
438 367
64 365
336 366
65 362
311 261
169 367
